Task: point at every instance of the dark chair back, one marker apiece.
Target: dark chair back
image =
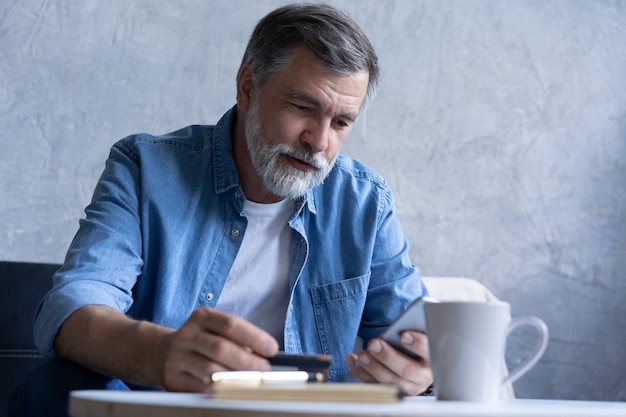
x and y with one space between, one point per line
22 285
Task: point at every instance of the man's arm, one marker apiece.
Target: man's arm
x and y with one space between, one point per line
394 284
109 342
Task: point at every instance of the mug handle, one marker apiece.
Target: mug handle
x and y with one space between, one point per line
539 348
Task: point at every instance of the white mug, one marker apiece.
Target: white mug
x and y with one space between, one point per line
467 343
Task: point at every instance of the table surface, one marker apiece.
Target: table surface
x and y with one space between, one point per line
97 403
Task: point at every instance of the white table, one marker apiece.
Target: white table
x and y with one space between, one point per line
161 404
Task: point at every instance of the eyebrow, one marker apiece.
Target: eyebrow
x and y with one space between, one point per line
308 99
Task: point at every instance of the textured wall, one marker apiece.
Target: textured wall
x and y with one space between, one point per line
501 126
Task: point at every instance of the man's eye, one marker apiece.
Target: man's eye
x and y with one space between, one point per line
341 124
301 108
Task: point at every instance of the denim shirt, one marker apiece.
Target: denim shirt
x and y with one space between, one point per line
165 224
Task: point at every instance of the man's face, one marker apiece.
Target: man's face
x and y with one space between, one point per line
296 124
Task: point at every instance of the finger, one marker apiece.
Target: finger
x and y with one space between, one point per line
388 365
416 342
353 366
237 330
183 361
374 362
403 365
231 355
193 338
185 382
196 366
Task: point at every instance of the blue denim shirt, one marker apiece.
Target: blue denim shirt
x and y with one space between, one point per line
165 224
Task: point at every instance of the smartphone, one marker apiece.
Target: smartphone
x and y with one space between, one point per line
413 318
317 364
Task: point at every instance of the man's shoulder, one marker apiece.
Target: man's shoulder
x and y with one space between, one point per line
349 169
359 188
193 138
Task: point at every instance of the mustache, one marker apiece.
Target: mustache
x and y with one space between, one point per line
311 158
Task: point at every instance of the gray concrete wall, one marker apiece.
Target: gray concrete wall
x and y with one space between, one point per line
501 126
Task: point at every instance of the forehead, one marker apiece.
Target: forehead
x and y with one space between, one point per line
308 76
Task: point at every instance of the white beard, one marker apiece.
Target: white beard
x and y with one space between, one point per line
279 177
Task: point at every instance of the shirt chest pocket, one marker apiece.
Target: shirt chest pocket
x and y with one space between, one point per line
338 308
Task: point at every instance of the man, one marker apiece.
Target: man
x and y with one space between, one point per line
214 247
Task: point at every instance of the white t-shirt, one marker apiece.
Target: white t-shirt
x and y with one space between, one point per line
257 287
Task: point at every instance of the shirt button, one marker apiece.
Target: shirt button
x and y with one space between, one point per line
209 296
234 232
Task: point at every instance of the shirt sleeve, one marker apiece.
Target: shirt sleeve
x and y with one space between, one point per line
395 281
104 258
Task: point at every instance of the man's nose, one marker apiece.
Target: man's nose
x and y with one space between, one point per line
317 135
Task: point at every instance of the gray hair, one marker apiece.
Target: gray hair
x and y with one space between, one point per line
333 36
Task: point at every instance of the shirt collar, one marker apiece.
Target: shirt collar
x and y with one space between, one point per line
224 169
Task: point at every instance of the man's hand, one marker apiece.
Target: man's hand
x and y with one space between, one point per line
107 341
380 362
212 341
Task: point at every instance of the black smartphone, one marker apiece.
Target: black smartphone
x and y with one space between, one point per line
413 318
292 362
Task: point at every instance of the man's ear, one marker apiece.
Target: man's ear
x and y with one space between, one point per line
245 87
